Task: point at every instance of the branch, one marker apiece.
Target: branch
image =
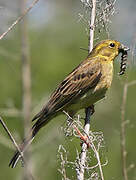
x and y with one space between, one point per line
11 137
26 73
90 143
26 86
80 173
18 19
63 158
123 130
16 146
92 26
98 160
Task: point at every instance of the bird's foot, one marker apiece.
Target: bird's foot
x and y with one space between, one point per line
90 111
84 138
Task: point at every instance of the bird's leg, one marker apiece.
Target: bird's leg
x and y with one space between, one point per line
92 109
89 112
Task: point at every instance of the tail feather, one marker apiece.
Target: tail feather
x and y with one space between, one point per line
41 121
14 159
17 156
41 114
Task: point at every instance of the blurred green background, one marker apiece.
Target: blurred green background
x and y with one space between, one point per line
55 38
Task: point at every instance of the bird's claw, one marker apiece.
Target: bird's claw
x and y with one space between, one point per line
85 140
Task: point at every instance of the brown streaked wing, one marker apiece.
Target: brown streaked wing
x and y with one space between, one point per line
82 78
75 84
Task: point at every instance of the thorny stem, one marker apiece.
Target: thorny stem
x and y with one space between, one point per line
123 130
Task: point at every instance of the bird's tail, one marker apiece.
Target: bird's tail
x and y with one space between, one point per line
41 121
17 154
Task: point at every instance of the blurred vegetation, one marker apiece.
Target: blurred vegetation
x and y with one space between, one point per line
55 51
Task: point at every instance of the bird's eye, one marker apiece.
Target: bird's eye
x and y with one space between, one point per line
112 44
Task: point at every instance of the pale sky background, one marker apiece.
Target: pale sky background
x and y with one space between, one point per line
124 22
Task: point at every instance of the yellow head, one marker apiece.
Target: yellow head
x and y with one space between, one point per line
108 49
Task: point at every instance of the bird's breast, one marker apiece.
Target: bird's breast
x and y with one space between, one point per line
98 92
107 75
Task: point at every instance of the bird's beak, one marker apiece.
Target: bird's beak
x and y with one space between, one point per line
123 48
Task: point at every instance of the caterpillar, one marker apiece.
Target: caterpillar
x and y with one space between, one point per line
123 63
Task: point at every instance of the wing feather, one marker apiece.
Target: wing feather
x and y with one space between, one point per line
82 78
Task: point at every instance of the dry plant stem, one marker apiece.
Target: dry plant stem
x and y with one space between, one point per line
16 145
18 19
11 137
1 37
26 85
26 73
98 160
123 136
62 170
80 172
92 26
86 139
123 130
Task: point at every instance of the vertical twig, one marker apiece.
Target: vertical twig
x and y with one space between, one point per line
26 72
98 160
92 26
63 157
26 78
123 136
80 173
26 82
123 130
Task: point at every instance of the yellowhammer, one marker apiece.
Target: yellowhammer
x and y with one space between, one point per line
83 87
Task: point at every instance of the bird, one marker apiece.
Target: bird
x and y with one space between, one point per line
82 88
